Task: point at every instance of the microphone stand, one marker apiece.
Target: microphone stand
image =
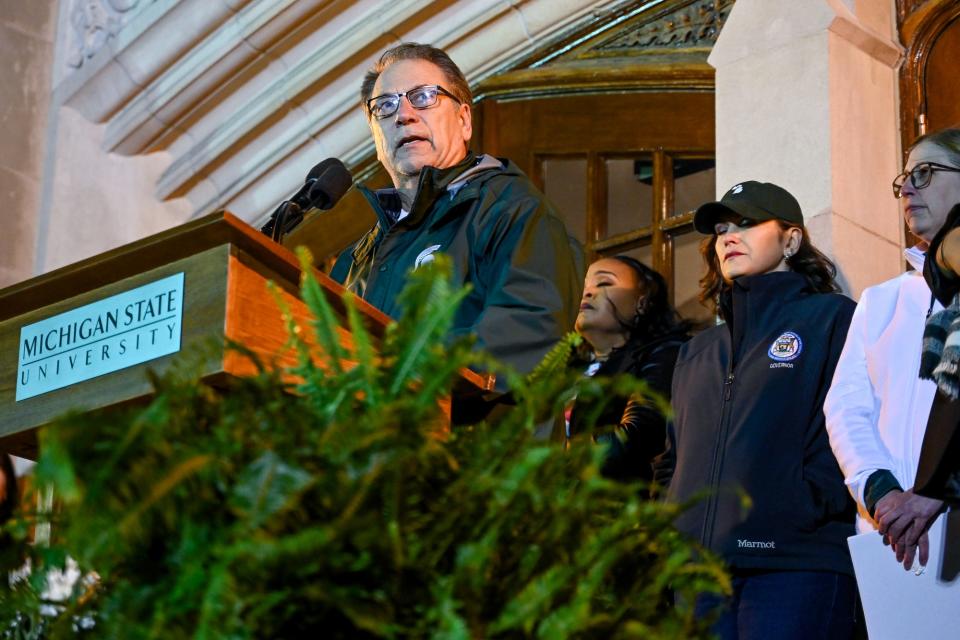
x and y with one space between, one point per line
325 185
288 213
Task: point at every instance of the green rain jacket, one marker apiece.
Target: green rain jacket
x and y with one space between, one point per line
503 237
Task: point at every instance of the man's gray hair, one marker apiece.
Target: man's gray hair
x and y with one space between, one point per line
456 83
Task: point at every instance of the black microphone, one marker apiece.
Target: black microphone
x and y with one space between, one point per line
326 183
332 184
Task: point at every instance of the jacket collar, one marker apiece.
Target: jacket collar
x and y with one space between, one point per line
433 184
483 163
637 348
778 283
916 256
766 289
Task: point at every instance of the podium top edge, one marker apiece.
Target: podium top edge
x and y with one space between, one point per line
198 235
213 230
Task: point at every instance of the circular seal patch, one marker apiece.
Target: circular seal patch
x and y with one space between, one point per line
785 348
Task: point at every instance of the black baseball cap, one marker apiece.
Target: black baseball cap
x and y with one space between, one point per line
759 201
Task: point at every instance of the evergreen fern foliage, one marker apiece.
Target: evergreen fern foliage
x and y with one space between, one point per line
337 507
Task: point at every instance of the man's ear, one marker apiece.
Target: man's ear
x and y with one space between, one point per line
378 140
466 123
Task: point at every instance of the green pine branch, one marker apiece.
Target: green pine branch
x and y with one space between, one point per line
336 507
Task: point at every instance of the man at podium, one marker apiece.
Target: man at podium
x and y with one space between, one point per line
503 237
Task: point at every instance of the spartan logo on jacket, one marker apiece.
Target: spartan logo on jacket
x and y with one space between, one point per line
426 256
785 348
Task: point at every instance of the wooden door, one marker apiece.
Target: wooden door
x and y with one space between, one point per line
626 171
930 94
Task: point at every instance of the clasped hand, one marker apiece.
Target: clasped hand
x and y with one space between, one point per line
903 518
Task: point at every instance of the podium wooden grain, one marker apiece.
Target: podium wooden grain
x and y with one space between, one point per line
226 266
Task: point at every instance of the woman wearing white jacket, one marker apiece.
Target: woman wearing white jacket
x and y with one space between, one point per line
877 406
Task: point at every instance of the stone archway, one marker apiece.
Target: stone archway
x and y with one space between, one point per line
164 110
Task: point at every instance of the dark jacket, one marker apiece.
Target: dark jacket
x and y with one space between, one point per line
938 470
748 415
505 240
633 429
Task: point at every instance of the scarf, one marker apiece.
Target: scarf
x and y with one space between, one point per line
940 359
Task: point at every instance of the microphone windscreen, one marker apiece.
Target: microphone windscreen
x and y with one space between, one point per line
303 198
319 168
331 185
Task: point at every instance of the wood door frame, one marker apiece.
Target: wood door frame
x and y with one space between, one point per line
670 125
919 31
920 26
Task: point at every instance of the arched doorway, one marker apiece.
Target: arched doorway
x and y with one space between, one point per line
930 96
615 123
617 127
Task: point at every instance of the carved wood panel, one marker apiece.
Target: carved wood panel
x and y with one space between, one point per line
929 94
659 129
942 96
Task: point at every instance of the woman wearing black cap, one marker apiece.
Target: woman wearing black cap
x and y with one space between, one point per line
748 435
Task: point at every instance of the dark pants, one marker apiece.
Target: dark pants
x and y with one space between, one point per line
784 605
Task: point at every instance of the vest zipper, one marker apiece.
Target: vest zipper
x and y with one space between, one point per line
706 533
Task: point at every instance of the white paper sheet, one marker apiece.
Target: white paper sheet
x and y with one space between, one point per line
901 604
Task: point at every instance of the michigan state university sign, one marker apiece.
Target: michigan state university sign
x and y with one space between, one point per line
126 329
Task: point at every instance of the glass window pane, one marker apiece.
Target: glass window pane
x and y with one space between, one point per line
688 268
695 182
565 184
629 194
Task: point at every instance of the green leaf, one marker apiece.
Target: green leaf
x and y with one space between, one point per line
336 508
429 308
368 367
266 486
325 322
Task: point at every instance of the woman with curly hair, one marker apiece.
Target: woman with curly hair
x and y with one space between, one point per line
629 327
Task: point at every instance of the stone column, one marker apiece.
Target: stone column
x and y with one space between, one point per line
807 98
26 47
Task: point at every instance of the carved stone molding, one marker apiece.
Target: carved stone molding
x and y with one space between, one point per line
94 23
207 104
625 76
694 25
640 46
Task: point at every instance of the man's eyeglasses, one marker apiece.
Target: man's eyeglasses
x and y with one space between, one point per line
920 176
420 97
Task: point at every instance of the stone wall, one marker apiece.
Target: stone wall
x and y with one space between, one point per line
807 98
166 110
26 49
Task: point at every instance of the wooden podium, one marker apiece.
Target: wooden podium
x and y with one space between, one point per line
225 265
